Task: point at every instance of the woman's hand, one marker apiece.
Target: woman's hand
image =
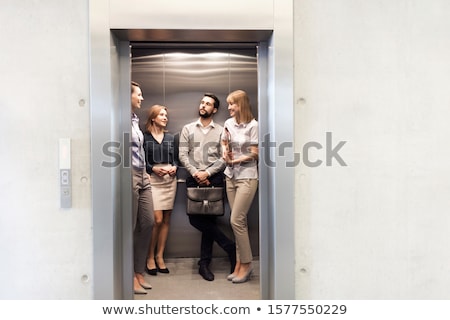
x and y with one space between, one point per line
159 171
227 155
171 171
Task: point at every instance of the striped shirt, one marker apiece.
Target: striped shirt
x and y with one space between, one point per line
137 144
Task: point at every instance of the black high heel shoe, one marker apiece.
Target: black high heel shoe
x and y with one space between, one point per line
164 270
152 272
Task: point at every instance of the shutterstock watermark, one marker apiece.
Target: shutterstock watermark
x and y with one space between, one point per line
331 152
271 153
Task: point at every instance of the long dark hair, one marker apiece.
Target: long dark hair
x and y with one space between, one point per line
134 84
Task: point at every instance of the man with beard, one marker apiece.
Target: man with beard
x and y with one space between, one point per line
200 153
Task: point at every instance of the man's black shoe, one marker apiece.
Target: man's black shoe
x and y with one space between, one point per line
205 272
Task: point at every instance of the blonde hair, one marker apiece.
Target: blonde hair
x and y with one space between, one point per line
153 113
241 98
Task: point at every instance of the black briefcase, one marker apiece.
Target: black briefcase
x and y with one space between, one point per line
205 201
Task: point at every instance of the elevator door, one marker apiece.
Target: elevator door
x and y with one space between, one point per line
178 78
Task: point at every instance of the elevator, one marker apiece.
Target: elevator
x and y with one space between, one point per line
177 76
114 27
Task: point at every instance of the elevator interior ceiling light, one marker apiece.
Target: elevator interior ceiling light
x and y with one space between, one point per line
206 55
185 71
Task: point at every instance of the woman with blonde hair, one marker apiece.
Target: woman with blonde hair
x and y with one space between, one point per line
240 151
160 152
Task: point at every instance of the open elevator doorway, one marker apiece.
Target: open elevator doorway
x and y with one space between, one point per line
177 75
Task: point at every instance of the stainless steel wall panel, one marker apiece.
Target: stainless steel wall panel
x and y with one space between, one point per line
178 80
187 21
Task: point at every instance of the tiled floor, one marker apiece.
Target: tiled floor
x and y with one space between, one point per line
184 283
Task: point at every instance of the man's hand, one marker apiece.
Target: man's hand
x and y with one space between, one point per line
202 178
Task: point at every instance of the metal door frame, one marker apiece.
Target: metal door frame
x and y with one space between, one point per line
110 89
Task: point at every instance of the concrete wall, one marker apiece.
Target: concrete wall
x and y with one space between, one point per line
46 252
375 74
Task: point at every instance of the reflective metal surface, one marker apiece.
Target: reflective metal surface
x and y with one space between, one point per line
180 35
178 79
200 21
